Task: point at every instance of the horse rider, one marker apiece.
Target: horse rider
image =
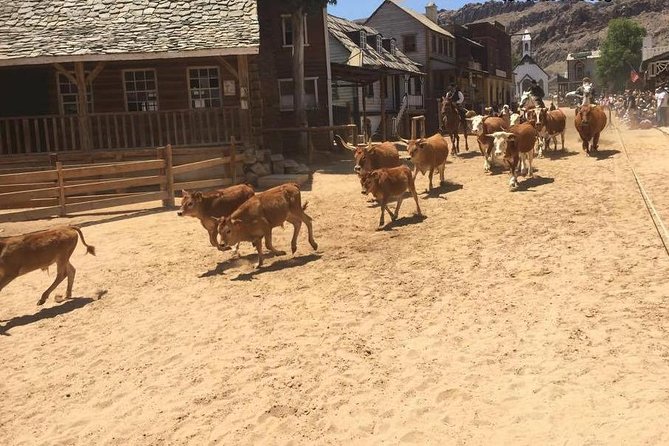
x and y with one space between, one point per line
457 99
581 91
537 94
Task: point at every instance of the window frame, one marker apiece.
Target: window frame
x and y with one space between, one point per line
415 43
125 90
89 91
284 19
290 79
220 86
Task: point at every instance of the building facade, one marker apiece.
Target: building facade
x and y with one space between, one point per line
528 70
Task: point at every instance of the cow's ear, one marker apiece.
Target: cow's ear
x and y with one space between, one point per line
235 221
197 196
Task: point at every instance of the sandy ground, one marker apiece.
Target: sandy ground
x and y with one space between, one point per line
525 318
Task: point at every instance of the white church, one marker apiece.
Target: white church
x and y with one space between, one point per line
528 70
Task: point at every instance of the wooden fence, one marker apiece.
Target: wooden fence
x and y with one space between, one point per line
79 188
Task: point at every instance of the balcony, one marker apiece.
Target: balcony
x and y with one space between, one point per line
647 53
127 130
474 65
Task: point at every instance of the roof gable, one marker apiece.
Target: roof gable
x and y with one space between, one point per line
528 59
416 16
62 29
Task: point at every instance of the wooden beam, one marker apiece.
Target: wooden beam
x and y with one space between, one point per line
244 97
93 74
61 69
82 101
203 184
131 166
228 67
112 202
198 165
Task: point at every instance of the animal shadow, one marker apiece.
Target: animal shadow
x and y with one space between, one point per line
221 267
604 154
45 313
468 155
279 265
558 154
536 181
443 188
404 221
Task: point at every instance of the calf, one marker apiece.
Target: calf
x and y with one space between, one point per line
255 219
428 154
549 124
514 145
22 254
389 185
208 206
483 127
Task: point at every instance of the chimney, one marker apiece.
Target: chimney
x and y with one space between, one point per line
431 12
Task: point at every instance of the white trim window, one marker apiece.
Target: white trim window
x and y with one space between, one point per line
140 89
67 95
204 87
287 30
286 89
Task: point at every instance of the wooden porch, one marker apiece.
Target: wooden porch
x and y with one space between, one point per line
124 130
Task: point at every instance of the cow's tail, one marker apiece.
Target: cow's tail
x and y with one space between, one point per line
89 248
304 206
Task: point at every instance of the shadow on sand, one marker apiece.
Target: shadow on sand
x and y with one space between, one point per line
403 221
45 313
531 183
604 154
279 265
443 188
558 154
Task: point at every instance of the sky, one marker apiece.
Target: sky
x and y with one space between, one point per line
358 9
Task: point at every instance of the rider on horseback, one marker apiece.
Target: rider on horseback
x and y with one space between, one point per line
537 94
587 87
457 99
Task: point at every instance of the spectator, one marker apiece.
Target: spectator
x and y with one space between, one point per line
662 99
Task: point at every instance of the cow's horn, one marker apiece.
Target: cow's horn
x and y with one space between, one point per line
405 141
343 144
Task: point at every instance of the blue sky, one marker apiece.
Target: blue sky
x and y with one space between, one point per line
357 9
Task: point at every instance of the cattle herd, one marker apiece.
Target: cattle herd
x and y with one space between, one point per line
238 214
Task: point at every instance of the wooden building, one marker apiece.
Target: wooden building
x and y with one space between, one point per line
426 43
470 60
498 85
373 81
82 76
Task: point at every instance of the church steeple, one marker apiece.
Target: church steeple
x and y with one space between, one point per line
527 44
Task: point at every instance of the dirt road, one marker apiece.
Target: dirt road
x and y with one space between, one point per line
534 317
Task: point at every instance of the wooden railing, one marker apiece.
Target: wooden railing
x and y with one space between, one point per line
128 130
66 190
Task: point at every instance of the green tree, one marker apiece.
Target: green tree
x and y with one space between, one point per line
620 52
299 9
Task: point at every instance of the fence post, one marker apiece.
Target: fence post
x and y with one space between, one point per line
169 174
61 188
233 160
310 147
160 154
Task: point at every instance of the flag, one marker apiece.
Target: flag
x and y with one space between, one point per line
634 76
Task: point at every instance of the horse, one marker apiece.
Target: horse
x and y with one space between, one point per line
451 121
526 107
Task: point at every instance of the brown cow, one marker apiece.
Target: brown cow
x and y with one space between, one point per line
428 154
374 156
22 254
514 145
255 219
549 124
590 120
483 126
208 206
389 185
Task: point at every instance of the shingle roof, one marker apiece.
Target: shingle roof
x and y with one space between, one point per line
423 19
339 28
53 28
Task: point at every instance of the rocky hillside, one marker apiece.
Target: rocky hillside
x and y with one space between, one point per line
563 27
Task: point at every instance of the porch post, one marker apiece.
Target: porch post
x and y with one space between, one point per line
364 114
244 97
383 106
84 122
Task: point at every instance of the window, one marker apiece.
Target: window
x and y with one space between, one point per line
287 88
141 92
434 43
379 44
409 43
205 87
393 47
579 68
287 28
67 93
417 86
335 91
363 39
441 46
369 90
388 84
